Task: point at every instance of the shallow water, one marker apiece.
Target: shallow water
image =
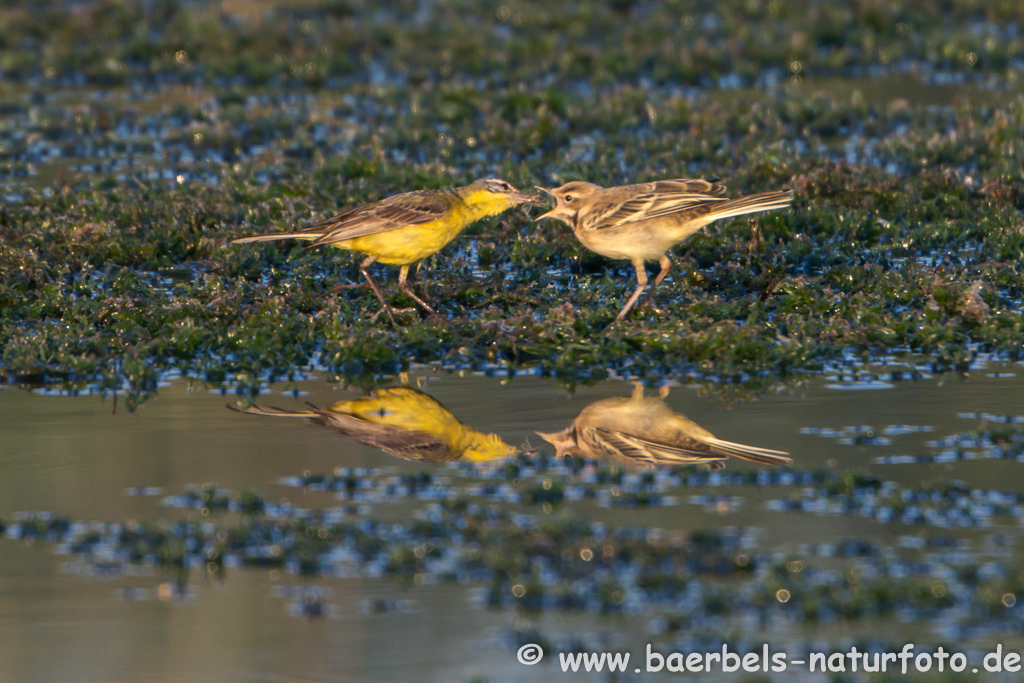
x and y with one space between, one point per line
78 458
163 537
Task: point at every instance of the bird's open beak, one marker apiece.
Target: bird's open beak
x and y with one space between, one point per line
549 214
562 443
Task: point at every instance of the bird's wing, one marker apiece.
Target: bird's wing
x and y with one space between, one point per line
398 211
630 203
403 443
649 452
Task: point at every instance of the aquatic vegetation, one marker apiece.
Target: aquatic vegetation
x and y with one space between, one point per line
138 139
715 579
906 231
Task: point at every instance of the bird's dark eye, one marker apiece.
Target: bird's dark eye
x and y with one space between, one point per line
569 197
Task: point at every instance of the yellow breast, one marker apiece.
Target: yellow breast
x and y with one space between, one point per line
410 244
405 246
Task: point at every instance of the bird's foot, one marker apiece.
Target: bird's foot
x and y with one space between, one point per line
423 304
340 287
391 311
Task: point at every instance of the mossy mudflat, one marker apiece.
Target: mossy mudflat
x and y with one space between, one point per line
138 142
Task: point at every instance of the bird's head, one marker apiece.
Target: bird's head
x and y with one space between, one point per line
569 198
496 195
481 447
564 441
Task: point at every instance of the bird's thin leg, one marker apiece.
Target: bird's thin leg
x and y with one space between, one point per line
426 291
403 274
380 297
373 285
665 265
641 278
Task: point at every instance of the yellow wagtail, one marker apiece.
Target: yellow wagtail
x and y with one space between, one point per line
403 422
644 432
406 228
642 222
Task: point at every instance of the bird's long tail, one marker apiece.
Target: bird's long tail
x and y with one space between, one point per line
277 236
276 412
751 453
764 201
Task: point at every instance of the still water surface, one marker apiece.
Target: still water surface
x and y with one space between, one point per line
79 459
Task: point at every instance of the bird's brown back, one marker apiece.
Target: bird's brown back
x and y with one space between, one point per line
614 207
648 419
398 211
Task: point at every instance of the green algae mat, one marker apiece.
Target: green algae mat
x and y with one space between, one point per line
138 140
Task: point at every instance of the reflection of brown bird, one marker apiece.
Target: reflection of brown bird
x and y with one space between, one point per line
644 432
642 222
403 422
406 228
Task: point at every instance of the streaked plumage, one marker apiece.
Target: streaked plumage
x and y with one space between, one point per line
406 228
642 222
403 422
644 432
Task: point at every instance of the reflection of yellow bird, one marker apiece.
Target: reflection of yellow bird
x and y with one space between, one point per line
642 222
403 422
644 432
406 228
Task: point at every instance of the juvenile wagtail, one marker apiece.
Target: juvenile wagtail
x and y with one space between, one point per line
642 222
644 432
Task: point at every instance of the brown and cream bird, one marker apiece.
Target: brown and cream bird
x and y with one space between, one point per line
640 223
643 431
406 228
